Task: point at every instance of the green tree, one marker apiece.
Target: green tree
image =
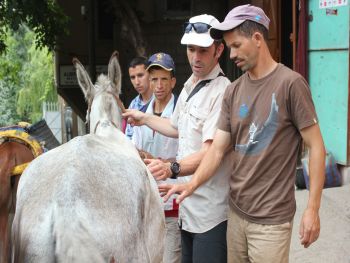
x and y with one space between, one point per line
8 112
10 81
44 17
26 78
38 82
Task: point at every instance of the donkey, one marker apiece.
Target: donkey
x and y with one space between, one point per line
91 199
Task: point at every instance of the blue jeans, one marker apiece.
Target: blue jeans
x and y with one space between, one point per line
207 247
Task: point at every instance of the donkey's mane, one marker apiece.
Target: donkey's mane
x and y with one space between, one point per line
104 84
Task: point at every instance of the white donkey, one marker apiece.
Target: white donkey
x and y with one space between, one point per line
91 199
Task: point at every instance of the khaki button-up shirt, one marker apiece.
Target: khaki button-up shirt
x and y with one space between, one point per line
196 122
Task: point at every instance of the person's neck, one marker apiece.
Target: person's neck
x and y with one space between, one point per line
159 105
265 65
145 97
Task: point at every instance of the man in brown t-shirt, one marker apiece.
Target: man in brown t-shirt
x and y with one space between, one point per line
264 116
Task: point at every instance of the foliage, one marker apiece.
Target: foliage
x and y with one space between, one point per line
8 114
10 66
26 78
38 84
44 17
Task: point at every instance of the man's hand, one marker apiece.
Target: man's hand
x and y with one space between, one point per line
309 227
159 169
184 190
145 155
135 117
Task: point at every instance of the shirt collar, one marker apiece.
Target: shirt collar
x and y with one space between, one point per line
189 85
167 107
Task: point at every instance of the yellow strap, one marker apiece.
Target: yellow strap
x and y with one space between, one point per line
18 170
28 140
25 137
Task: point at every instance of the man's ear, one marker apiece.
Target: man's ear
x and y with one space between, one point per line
258 38
219 50
173 82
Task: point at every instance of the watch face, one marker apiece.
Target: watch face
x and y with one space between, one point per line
175 168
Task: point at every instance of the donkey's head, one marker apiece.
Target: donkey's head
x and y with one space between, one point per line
103 100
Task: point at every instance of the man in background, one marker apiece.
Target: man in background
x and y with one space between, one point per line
161 71
140 81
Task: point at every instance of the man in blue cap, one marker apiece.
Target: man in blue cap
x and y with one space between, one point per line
161 72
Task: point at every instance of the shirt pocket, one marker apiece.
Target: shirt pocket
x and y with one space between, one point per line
198 117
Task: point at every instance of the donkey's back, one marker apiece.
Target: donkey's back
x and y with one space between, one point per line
101 204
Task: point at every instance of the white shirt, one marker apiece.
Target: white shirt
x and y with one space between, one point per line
196 122
157 144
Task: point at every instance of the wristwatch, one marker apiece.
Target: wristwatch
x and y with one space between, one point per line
175 169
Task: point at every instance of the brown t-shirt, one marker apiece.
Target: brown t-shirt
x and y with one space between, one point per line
264 118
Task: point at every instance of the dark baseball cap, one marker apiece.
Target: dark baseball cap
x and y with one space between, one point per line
237 16
162 60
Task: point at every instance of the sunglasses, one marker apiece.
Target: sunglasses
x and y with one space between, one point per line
197 27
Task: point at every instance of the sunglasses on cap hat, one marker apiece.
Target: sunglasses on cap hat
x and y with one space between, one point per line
198 27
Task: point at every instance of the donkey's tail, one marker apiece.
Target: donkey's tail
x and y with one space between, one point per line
73 242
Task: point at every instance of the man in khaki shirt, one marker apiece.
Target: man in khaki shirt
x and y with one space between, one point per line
203 216
264 116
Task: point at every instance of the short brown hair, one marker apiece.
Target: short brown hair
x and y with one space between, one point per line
248 28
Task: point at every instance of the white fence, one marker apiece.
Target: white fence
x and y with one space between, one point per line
52 116
53 113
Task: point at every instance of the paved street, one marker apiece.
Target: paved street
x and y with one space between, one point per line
333 245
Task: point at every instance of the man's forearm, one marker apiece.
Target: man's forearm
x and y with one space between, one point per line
317 177
190 163
207 167
313 140
161 125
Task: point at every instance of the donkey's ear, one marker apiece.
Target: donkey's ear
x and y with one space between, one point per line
114 72
83 79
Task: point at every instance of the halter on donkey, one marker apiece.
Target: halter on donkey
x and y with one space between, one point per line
91 199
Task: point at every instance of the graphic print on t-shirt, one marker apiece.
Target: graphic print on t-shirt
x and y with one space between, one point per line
260 136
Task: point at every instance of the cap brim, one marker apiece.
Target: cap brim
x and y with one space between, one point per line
216 32
158 65
201 40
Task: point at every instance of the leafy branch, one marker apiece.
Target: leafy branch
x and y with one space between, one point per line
44 17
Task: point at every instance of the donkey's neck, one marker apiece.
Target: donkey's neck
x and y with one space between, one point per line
107 132
104 127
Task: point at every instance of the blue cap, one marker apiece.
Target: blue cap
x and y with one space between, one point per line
162 60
